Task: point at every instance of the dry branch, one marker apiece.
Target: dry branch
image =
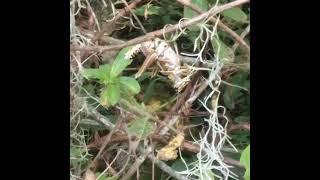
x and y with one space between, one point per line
160 32
109 27
135 166
224 27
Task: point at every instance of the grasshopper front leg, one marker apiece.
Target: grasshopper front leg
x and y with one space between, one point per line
147 63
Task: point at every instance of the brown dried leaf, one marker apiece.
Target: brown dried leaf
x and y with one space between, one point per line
169 152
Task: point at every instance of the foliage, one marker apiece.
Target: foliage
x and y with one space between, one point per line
245 160
140 127
115 85
113 82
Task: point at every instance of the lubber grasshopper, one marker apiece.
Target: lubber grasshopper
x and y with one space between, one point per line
158 51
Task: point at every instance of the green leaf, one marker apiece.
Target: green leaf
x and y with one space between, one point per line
235 14
101 73
188 13
245 160
149 91
226 54
111 95
241 136
202 4
232 94
240 78
104 98
241 119
129 85
152 10
140 127
120 63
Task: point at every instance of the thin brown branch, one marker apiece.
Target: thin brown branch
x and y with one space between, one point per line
135 166
164 167
242 35
224 27
232 162
243 126
186 106
135 16
104 145
186 146
173 113
172 28
109 27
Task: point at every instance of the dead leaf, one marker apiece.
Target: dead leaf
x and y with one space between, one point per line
169 152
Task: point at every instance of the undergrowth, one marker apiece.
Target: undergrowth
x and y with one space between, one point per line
127 127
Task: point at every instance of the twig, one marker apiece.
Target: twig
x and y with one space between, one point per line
93 15
186 146
239 39
243 34
111 170
234 85
100 118
135 16
232 162
135 166
160 32
164 167
233 127
93 112
109 26
186 105
174 113
107 140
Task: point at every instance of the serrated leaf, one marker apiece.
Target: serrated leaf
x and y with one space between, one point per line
235 14
111 95
129 84
226 54
120 63
101 73
189 13
140 127
245 160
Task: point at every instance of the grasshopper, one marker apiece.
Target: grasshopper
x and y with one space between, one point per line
158 51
